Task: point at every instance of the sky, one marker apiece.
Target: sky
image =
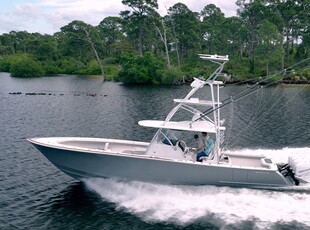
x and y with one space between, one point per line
48 16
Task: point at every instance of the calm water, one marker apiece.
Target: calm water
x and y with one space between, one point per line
35 195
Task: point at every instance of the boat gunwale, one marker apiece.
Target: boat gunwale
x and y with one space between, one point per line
146 157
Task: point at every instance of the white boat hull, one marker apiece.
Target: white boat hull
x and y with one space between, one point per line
80 161
169 158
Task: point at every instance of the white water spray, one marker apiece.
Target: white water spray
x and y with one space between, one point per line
186 204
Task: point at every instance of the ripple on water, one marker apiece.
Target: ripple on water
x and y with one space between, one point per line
36 195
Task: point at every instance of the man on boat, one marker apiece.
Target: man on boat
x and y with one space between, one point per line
200 149
205 146
208 142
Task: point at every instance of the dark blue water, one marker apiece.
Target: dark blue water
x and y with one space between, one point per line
36 195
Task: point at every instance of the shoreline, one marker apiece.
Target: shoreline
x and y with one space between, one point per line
284 82
230 82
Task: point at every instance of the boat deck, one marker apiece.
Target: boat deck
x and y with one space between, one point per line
102 146
257 161
129 147
98 145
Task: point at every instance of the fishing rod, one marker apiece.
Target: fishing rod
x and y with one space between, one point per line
256 123
244 93
271 76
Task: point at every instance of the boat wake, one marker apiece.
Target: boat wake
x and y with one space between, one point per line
219 206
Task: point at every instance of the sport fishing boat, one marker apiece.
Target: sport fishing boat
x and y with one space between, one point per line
170 156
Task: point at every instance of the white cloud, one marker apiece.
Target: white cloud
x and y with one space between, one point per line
48 16
228 7
91 11
8 23
27 9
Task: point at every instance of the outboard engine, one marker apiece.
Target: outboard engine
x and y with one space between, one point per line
287 171
300 165
298 168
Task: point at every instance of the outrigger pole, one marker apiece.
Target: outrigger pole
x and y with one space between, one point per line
245 93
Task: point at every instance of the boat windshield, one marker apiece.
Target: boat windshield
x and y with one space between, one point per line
172 137
169 137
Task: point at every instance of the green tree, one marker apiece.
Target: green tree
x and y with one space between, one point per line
26 66
163 33
6 44
146 69
236 36
138 21
81 31
111 33
252 14
270 43
212 28
305 31
293 14
185 27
